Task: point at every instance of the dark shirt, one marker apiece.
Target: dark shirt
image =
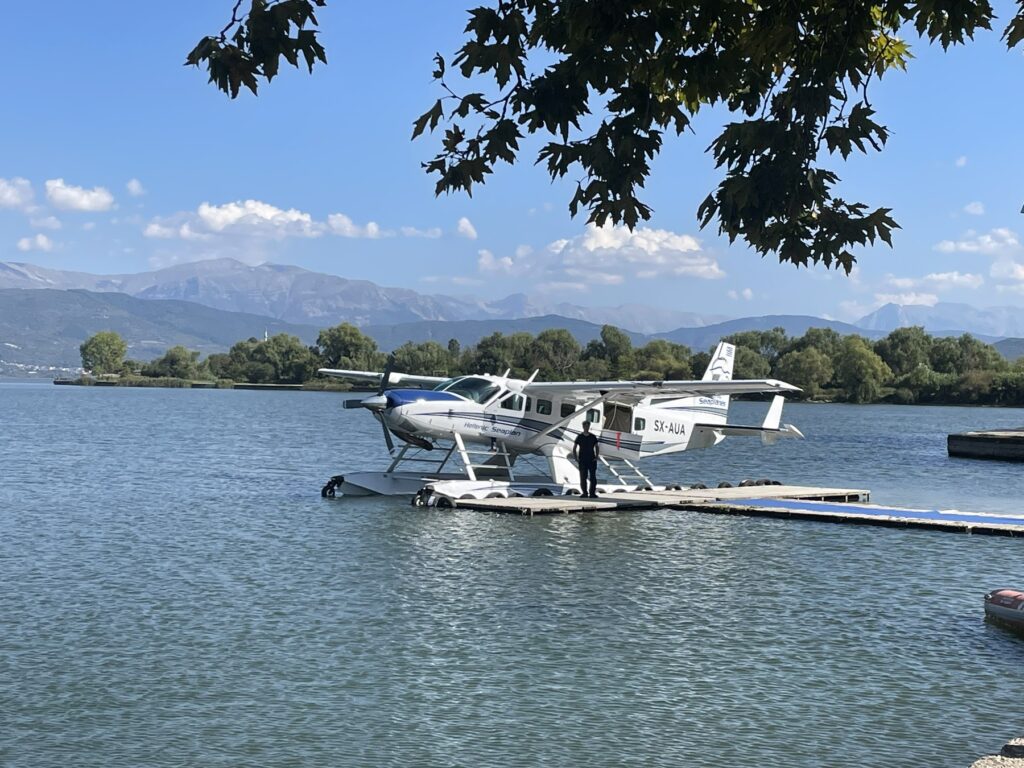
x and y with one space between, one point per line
586 448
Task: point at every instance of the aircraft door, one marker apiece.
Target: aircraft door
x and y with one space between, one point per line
618 417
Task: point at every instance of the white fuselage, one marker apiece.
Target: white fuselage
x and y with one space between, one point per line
529 425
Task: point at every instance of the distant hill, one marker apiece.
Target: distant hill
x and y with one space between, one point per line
45 326
471 331
948 319
297 295
794 325
1011 349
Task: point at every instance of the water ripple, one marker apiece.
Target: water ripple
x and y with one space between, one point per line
176 593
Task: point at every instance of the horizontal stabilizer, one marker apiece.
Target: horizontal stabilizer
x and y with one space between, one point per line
705 435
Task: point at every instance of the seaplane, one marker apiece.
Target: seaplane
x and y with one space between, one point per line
515 436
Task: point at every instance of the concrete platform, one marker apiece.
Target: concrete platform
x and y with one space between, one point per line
833 505
999 444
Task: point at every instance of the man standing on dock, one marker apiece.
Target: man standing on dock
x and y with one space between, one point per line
586 451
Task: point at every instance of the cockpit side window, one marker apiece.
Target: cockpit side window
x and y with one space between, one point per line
512 403
471 387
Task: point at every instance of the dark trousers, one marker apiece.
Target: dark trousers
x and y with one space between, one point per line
588 471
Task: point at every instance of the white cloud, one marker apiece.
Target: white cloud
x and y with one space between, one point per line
936 281
16 193
653 252
961 161
38 242
746 294
926 299
461 280
433 233
1007 269
46 222
255 220
608 255
854 310
155 229
902 283
975 208
955 279
489 263
254 217
1001 240
72 198
135 188
563 286
89 225
466 228
595 277
187 232
343 226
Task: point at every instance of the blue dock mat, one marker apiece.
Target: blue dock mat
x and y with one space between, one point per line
951 516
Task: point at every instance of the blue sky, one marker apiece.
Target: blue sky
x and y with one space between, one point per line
119 159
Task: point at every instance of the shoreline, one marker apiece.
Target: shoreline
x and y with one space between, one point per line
144 383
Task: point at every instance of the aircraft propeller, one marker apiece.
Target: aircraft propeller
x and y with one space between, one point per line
379 401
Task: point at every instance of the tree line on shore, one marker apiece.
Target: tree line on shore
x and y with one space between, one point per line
907 366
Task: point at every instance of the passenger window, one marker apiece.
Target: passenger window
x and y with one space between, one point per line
513 403
639 425
593 415
568 409
543 407
529 404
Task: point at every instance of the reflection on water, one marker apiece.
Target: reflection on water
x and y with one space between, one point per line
177 593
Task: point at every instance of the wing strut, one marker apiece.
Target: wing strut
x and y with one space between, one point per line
571 416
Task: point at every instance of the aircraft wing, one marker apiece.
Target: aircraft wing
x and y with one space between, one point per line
626 391
374 377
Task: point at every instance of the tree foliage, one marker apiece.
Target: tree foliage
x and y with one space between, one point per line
808 368
604 82
860 371
345 346
428 358
252 43
177 362
825 365
103 353
905 349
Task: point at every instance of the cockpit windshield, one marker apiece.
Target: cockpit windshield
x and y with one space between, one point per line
470 387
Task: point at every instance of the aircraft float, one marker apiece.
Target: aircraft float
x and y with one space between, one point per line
515 436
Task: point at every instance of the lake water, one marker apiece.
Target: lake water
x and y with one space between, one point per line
174 591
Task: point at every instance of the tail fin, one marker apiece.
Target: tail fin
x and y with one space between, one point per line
720 367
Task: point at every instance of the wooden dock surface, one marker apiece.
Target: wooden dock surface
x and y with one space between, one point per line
835 505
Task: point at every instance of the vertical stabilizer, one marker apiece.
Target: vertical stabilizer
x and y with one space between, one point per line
720 367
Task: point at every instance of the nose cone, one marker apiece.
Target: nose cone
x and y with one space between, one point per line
402 417
375 403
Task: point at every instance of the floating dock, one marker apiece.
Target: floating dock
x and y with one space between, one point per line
1001 444
834 505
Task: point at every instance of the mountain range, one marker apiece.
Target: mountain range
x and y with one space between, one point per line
208 305
295 295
